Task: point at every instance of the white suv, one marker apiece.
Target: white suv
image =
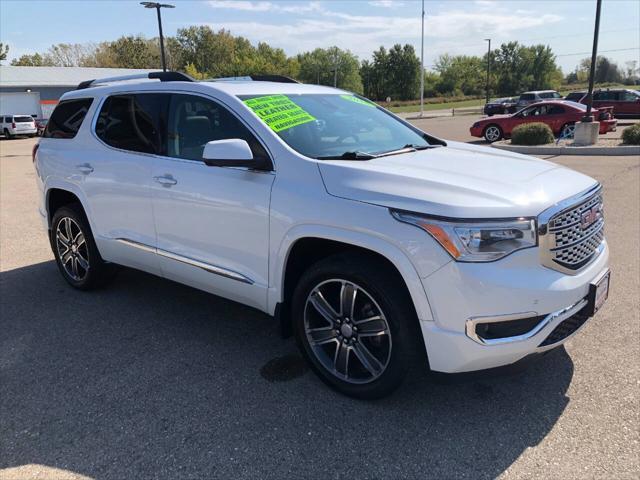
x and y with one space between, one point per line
12 125
368 239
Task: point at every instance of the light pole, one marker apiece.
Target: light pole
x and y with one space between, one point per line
488 65
422 65
158 6
587 116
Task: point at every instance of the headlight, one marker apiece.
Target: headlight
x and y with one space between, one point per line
476 241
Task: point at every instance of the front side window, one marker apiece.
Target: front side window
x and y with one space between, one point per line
67 118
193 121
134 122
330 125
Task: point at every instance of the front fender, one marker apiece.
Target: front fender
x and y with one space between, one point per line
391 252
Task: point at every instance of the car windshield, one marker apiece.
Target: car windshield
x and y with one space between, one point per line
22 119
333 126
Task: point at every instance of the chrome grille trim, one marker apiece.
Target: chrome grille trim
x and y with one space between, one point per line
565 244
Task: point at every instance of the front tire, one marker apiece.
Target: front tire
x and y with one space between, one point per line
492 133
352 319
75 250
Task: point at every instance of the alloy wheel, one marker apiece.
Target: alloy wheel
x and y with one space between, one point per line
492 134
347 331
72 249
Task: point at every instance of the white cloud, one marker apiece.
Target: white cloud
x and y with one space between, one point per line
242 5
451 31
265 6
386 3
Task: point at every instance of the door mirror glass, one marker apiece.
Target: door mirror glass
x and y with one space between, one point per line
233 152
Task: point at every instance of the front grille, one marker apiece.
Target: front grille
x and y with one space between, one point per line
575 234
566 328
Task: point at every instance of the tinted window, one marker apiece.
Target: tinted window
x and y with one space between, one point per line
574 97
134 122
527 96
67 118
194 121
22 119
628 96
555 110
8 119
605 96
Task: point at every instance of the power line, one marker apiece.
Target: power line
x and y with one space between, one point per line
600 51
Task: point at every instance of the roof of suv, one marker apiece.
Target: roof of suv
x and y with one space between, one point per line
229 87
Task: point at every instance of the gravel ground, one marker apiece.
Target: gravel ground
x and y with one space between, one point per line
151 379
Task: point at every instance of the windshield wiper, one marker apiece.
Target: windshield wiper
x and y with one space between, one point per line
349 156
408 148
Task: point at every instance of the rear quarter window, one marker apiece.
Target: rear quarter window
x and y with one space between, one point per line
67 118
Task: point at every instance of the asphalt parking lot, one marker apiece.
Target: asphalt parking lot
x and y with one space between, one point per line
151 379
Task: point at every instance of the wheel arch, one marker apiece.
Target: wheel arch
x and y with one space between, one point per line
58 194
300 251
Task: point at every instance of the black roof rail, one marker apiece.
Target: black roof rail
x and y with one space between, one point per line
256 78
273 78
162 76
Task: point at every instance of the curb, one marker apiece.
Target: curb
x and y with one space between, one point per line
606 151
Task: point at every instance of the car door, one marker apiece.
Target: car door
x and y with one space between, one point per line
527 115
117 177
555 116
629 103
212 223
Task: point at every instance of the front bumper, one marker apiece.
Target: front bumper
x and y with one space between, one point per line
518 284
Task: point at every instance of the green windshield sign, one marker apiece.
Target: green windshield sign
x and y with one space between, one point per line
278 112
354 99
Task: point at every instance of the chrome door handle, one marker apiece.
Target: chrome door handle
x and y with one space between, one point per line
166 180
85 168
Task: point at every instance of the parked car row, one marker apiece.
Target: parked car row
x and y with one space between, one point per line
625 102
560 115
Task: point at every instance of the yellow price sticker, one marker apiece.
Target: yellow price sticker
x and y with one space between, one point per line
279 112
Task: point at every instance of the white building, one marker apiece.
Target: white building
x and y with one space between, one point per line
38 89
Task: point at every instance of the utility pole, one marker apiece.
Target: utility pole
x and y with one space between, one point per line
422 65
488 65
158 6
594 54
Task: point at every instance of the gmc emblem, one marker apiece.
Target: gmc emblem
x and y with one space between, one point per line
590 216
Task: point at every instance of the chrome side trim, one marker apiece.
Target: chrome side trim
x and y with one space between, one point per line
223 272
470 327
141 246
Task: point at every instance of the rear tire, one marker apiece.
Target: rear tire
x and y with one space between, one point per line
354 322
75 250
567 130
7 134
492 133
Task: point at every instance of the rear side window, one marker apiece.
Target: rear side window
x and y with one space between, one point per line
574 97
134 122
66 119
527 96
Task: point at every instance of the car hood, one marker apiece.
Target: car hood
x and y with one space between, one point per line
459 180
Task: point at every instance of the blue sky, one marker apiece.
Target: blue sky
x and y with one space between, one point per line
455 27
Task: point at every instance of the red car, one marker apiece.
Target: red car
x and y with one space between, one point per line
560 115
625 102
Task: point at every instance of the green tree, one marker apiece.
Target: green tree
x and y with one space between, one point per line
134 52
326 66
4 50
461 75
35 60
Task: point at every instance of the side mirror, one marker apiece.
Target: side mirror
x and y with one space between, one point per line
233 152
